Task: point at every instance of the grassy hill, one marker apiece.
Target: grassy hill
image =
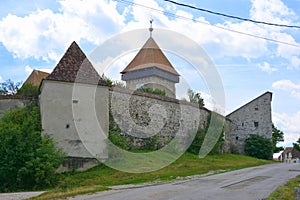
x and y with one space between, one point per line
100 177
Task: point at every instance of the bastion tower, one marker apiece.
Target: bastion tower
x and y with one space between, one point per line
150 68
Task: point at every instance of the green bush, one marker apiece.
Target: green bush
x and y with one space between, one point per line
194 148
259 147
28 161
29 91
196 145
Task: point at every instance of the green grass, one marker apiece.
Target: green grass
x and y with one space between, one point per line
100 177
285 192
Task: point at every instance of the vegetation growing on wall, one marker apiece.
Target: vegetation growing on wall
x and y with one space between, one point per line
28 161
199 138
259 147
152 91
114 134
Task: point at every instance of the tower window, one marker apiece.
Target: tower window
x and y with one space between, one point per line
256 108
237 138
255 124
75 101
67 125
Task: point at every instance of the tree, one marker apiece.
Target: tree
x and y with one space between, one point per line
29 91
28 161
9 87
277 136
195 97
297 144
259 147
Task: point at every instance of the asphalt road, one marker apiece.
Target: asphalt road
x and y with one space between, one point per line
248 184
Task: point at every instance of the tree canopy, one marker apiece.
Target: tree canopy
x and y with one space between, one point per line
28 161
9 87
297 144
277 136
195 97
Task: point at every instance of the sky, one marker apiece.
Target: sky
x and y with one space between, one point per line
35 34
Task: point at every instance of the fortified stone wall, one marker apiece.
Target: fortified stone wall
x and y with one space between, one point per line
140 116
252 118
13 102
157 82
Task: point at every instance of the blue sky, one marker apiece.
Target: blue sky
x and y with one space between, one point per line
35 34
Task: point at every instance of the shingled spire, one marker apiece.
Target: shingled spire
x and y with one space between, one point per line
150 55
74 66
151 68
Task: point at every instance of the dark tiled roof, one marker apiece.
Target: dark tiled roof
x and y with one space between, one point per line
74 66
150 55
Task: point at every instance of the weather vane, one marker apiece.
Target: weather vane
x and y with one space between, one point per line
151 29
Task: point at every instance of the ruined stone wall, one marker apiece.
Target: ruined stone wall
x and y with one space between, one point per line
252 118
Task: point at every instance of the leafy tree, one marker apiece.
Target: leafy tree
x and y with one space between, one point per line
297 144
277 136
9 87
28 161
195 97
113 83
30 91
259 147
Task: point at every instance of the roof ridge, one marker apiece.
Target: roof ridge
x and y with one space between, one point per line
268 92
150 53
74 66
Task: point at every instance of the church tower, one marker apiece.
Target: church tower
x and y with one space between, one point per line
150 68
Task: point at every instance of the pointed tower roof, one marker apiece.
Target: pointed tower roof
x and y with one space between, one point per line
150 55
36 77
75 66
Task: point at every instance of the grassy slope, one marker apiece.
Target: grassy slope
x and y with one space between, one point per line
285 192
98 178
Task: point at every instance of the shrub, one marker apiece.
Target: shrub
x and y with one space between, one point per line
201 134
30 91
28 161
152 91
259 147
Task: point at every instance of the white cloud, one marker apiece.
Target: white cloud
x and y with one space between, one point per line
28 69
290 125
45 34
286 85
274 11
1 79
267 68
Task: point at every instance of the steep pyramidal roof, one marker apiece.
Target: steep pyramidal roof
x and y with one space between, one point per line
74 66
35 78
150 55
